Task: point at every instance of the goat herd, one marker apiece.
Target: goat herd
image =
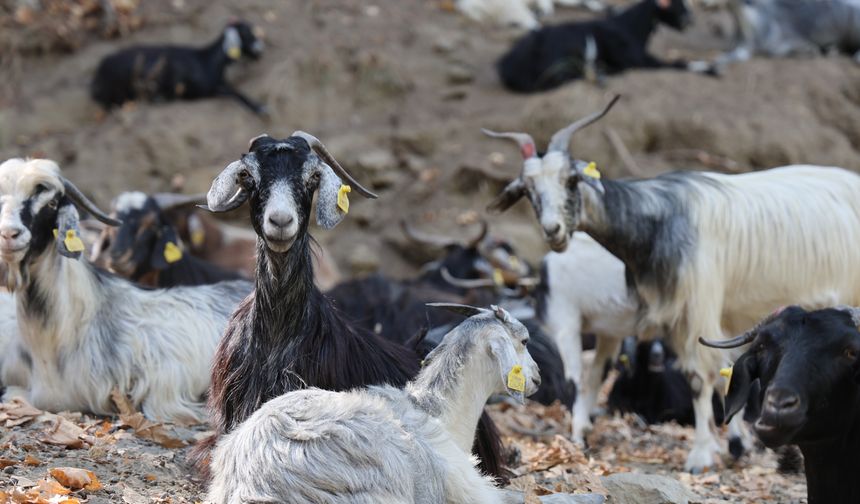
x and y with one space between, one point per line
362 393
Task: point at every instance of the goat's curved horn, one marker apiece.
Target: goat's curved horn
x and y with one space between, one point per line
485 228
524 140
561 139
746 337
465 310
226 194
321 151
853 311
425 238
82 201
251 141
167 201
466 283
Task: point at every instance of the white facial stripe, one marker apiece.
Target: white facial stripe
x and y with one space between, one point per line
548 181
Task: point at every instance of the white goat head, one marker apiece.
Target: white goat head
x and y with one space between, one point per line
503 339
551 182
39 208
280 177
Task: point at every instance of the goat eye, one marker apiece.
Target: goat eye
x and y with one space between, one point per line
53 204
525 342
851 353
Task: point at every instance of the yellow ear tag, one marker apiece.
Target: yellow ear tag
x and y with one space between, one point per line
726 373
198 237
624 360
516 380
172 253
591 170
73 241
342 198
498 277
234 53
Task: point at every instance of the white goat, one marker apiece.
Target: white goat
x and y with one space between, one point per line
518 13
384 444
708 253
583 290
15 362
89 332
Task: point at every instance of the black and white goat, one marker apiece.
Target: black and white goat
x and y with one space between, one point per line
88 332
547 58
705 252
382 443
146 247
779 28
807 366
176 72
287 335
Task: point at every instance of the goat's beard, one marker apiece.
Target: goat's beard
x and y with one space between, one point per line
14 275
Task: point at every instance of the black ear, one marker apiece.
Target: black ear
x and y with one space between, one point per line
510 195
744 373
167 250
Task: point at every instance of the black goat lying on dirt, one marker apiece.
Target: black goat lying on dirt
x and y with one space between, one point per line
176 72
287 335
550 56
809 373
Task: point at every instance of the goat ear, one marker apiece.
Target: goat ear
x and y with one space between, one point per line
588 173
510 195
509 363
167 250
232 44
67 234
744 373
332 199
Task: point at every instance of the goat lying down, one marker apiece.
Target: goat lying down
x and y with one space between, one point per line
381 443
89 332
707 253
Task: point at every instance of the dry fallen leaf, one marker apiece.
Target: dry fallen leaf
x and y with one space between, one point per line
76 479
32 461
52 487
63 433
4 463
17 412
142 427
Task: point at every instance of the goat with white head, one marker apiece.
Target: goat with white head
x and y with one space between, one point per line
707 254
89 332
381 443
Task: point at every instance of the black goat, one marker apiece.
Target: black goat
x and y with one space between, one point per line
806 363
146 249
550 56
287 335
176 72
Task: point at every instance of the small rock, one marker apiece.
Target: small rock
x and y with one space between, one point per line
9 470
632 488
459 73
445 44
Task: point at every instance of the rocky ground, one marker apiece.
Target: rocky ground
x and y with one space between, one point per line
398 90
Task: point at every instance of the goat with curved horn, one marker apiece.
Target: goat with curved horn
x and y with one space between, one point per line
524 140
322 152
561 139
82 201
744 338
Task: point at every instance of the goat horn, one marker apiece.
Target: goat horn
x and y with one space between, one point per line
485 228
524 140
320 149
466 283
425 238
854 312
167 201
561 138
744 338
465 310
251 141
82 201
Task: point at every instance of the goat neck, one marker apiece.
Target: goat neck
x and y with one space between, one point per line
639 20
831 466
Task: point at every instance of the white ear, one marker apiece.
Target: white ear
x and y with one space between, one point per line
506 357
329 214
232 45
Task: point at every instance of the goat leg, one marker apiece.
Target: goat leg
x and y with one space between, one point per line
257 108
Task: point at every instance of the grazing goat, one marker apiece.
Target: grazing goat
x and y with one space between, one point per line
89 332
146 248
806 363
176 72
705 252
779 28
381 443
547 58
287 335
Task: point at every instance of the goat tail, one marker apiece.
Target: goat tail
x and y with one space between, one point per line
200 456
488 447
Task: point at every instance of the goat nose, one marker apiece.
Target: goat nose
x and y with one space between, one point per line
10 233
280 220
552 229
782 401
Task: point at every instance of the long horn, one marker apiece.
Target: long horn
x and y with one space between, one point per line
82 201
466 283
524 140
425 238
744 338
561 139
465 310
321 151
485 228
168 201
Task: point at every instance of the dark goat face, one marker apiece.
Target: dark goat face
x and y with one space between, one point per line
551 182
279 178
241 39
674 13
38 212
145 241
807 365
